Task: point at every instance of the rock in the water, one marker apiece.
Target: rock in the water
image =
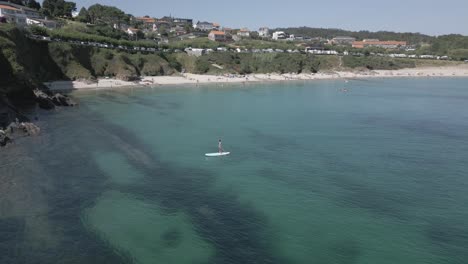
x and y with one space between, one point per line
4 138
17 130
46 101
43 100
30 129
62 100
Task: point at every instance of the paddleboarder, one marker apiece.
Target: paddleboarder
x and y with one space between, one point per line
220 146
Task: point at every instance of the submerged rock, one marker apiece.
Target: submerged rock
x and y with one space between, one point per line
29 129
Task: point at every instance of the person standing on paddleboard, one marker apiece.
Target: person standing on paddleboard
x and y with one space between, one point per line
220 147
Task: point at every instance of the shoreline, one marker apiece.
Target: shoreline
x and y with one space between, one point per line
198 79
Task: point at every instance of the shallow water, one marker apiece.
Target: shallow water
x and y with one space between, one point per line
377 174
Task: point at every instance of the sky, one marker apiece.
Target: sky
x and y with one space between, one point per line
424 16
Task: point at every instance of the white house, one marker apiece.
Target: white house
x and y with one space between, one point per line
264 32
12 15
291 37
244 32
17 14
204 26
279 35
217 36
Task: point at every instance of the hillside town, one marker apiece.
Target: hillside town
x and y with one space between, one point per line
170 29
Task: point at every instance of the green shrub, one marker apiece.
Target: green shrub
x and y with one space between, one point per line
378 63
202 67
36 30
459 54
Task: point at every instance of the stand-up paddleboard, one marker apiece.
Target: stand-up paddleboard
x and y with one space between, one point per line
217 154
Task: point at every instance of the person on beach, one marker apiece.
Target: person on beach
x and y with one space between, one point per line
220 146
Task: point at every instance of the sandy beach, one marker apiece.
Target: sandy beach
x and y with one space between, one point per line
195 79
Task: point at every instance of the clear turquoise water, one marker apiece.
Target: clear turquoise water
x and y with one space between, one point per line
377 174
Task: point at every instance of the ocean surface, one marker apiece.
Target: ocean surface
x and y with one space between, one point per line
358 172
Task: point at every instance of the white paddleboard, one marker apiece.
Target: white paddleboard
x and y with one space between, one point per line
217 154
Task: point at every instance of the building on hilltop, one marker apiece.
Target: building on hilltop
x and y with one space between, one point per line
228 30
146 20
17 14
163 23
264 32
342 41
149 23
132 31
243 32
279 35
391 44
24 16
182 21
217 36
12 15
204 26
29 12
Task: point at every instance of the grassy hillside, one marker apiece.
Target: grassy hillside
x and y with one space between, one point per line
80 62
24 62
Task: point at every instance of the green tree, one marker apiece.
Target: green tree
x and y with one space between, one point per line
101 14
58 8
18 2
83 16
33 4
68 8
188 28
459 54
163 31
140 35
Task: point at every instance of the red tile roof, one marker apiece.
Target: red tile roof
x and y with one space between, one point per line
361 44
215 32
146 19
8 7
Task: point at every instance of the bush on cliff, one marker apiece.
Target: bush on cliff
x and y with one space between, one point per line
377 63
122 68
245 63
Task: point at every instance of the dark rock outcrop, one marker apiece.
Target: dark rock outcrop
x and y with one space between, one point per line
43 100
16 130
23 129
62 100
4 138
48 101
